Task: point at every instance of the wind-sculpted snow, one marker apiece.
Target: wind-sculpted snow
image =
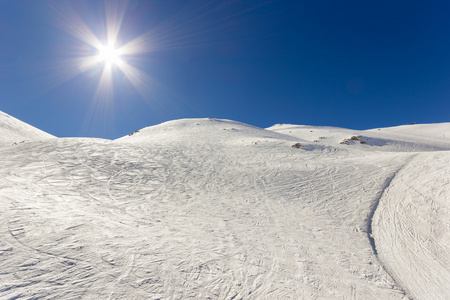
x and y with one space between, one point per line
195 209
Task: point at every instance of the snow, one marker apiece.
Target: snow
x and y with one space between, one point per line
217 209
15 131
407 138
206 131
412 226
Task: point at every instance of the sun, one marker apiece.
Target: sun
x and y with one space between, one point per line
109 54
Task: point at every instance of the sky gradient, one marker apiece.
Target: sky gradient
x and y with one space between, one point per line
352 64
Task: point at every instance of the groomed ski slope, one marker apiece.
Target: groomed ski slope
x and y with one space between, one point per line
217 209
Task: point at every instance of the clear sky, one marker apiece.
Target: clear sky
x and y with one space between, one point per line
107 68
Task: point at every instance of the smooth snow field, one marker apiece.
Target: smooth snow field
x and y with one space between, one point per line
217 209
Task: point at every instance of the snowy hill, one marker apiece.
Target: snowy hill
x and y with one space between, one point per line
407 138
16 131
215 131
217 209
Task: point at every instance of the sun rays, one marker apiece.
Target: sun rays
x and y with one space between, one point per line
102 50
108 51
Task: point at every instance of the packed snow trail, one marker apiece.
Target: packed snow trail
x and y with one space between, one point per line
411 226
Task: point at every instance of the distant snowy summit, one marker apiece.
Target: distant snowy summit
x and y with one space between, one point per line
406 138
14 131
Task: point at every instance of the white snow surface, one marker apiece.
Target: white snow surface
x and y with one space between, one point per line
13 131
217 209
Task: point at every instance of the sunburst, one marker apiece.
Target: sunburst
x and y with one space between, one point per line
108 56
110 52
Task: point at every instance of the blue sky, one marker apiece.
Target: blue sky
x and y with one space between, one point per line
354 64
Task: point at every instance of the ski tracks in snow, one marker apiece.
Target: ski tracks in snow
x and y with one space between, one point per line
189 221
411 226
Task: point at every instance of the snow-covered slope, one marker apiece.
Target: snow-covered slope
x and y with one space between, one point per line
217 209
200 131
412 226
15 131
407 138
